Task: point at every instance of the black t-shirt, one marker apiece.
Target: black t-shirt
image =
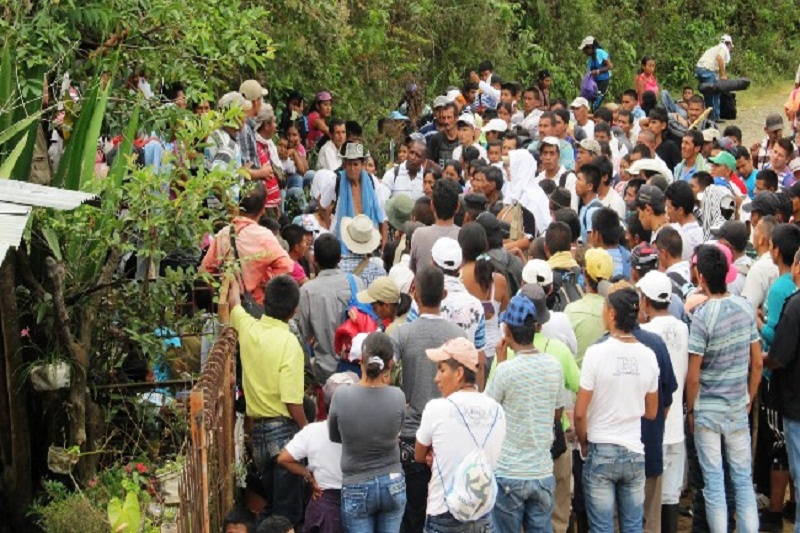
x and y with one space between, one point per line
669 152
784 350
440 148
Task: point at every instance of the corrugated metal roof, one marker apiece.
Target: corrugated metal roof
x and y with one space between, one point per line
13 219
24 193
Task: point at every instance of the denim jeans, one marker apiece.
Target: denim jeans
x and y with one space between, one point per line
524 504
669 104
709 430
672 478
374 506
284 490
711 97
791 432
613 477
445 523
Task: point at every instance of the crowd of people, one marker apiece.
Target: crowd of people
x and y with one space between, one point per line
543 316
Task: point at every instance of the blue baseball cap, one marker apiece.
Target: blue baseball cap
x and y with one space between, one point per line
519 309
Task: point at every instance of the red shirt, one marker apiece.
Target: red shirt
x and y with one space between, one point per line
273 188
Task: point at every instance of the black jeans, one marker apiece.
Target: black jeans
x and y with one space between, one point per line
284 491
418 476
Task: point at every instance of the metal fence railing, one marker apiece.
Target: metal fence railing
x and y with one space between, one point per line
207 482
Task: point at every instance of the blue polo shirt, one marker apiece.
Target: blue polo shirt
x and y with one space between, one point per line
596 62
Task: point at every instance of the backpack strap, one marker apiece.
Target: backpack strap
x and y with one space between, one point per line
236 257
488 434
361 266
351 279
562 178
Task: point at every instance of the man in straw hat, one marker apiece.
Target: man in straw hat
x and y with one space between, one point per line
361 239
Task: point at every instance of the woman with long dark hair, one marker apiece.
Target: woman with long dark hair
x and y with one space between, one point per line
480 279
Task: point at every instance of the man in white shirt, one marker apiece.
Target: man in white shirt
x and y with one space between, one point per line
606 193
454 426
549 150
734 234
466 136
711 67
330 157
530 112
580 108
670 261
656 290
764 271
680 212
407 178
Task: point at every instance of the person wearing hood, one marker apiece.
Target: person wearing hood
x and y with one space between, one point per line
526 204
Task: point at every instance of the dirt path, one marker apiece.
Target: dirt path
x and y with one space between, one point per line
753 107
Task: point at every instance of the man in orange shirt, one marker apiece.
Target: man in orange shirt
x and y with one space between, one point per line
261 257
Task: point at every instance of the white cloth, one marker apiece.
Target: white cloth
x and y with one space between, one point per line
569 184
742 264
682 269
324 457
676 336
481 150
761 275
403 183
619 375
692 237
530 123
709 58
587 128
329 157
559 327
489 91
522 175
614 201
322 179
444 429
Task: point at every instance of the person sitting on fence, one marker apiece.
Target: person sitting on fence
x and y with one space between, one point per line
272 375
324 471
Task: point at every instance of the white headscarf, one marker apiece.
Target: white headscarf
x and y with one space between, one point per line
522 188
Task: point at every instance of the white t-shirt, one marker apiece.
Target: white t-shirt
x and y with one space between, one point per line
403 183
324 457
676 336
619 374
481 151
569 184
588 128
614 201
444 429
709 58
692 237
329 157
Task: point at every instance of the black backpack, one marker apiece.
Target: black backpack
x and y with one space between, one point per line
511 279
566 288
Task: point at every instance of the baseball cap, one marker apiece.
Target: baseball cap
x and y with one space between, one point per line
727 39
550 141
537 295
560 197
734 232
382 289
234 99
440 101
446 253
475 201
496 124
599 264
252 90
650 195
726 143
591 146
467 119
497 79
794 165
459 349
644 256
519 309
340 379
724 158
730 277
774 122
767 202
323 96
579 102
537 271
656 286
587 41
452 95
711 134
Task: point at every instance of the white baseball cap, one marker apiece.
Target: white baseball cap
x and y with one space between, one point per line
446 254
550 141
466 118
537 271
496 124
656 286
579 102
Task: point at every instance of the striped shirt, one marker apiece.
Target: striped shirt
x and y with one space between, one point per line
529 389
721 333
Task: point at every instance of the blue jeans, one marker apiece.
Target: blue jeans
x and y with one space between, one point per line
791 433
711 97
445 523
613 476
283 489
524 505
375 506
669 104
709 430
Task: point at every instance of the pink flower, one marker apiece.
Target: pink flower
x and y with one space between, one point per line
128 468
92 483
141 468
26 332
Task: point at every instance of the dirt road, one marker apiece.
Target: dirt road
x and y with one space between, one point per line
753 107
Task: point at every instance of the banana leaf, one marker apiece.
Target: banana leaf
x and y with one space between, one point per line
11 161
69 170
86 175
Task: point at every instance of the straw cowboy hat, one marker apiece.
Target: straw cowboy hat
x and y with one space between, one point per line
360 235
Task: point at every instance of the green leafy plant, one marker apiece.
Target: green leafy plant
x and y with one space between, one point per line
124 517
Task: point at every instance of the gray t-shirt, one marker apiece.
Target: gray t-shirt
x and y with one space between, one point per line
367 421
410 342
423 240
